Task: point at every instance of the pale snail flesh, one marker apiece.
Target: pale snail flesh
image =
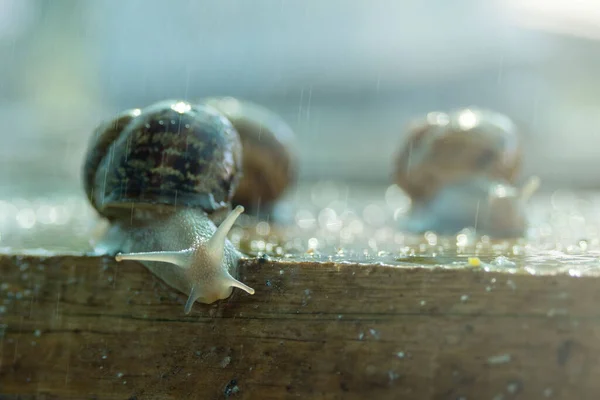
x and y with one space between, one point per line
269 161
162 176
460 170
491 208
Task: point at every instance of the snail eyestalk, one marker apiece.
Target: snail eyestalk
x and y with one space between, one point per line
529 189
216 243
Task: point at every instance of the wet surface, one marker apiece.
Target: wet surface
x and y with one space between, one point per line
332 221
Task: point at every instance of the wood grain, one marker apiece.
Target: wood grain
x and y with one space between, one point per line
88 328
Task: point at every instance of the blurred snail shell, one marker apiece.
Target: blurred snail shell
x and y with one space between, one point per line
460 170
269 164
447 148
159 174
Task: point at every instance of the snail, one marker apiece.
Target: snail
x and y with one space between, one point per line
164 176
460 170
269 163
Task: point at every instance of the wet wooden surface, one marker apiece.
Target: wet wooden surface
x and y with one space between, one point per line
88 328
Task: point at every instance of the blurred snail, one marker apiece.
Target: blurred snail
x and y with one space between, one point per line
163 176
268 161
460 171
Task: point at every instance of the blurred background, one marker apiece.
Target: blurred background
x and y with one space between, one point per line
347 75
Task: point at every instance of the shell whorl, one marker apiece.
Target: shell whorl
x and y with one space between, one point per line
171 153
269 162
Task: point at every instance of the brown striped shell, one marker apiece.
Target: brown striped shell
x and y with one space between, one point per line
447 148
269 163
171 153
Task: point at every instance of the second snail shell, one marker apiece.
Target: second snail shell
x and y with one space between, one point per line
268 160
446 148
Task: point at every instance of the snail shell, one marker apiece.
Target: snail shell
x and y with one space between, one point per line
159 175
460 169
269 163
447 148
171 153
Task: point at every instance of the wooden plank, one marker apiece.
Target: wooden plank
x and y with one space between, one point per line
88 328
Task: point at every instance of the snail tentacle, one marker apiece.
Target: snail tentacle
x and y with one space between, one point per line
180 258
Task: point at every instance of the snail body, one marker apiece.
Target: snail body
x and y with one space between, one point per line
492 208
460 171
164 176
205 266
